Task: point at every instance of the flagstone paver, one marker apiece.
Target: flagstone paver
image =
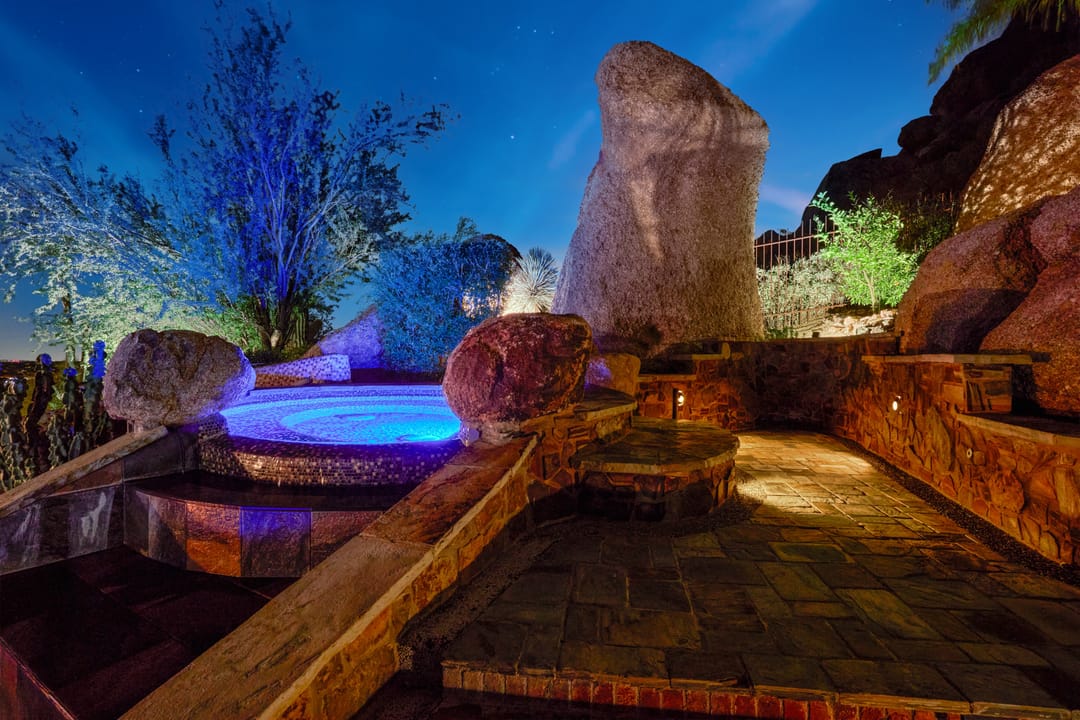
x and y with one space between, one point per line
839 585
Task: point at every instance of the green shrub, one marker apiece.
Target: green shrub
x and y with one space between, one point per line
862 248
789 289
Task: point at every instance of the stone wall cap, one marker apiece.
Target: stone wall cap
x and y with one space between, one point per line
1045 431
669 377
600 403
61 476
954 359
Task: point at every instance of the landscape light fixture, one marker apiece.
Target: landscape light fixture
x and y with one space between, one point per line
678 399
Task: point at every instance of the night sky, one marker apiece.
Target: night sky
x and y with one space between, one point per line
832 78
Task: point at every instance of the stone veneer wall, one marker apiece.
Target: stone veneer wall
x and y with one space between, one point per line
1021 475
951 430
78 507
554 489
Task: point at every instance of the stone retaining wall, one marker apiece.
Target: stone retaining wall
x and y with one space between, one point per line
77 508
951 427
1001 468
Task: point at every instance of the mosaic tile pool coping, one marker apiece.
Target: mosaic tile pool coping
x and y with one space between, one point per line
322 463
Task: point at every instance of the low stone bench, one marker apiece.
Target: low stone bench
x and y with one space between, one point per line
658 470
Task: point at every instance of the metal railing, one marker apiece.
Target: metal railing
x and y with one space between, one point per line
792 308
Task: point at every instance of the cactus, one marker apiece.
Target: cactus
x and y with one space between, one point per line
39 402
16 462
62 420
95 422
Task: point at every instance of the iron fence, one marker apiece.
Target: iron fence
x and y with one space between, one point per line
798 287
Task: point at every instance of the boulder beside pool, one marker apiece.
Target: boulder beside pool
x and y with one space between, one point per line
516 367
174 377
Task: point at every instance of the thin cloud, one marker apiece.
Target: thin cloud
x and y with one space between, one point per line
762 26
567 146
787 198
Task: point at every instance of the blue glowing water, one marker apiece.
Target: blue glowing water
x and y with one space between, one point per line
345 415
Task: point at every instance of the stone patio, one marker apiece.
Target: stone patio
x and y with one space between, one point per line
838 592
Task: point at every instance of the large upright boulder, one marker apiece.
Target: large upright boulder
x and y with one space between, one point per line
360 340
1047 323
174 377
512 368
967 285
663 249
1034 151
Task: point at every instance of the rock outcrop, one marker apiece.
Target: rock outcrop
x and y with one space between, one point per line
662 253
1047 323
940 151
174 377
512 368
1009 285
1034 151
966 286
360 340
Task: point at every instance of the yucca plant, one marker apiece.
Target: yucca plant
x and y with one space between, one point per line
531 287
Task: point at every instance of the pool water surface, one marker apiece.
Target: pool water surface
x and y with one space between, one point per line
345 415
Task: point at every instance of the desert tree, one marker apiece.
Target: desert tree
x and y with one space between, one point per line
88 243
278 203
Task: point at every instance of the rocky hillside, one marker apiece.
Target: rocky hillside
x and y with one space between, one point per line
940 151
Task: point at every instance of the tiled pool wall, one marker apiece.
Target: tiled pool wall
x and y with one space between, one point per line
77 508
235 540
952 428
291 463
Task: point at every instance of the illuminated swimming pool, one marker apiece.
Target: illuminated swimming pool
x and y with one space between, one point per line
345 415
332 435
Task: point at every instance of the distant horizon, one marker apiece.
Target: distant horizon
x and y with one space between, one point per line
832 80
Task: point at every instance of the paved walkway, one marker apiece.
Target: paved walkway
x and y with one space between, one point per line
838 588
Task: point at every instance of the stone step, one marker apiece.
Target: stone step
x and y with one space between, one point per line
658 470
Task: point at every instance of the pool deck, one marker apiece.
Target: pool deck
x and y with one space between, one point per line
837 594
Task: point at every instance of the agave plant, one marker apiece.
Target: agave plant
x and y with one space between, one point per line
531 286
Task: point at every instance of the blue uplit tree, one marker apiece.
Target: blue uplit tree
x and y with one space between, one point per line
278 203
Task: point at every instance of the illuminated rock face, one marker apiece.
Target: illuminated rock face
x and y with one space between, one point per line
1048 322
966 286
512 368
174 377
663 249
1034 151
1008 285
361 340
